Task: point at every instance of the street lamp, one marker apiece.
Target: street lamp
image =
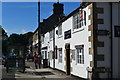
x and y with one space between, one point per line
39 31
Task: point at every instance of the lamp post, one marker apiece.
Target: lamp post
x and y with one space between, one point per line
39 32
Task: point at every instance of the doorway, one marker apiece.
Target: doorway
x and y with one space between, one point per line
67 47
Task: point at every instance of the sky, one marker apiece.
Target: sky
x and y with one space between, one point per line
0 13
22 17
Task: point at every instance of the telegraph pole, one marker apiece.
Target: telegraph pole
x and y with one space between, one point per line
39 32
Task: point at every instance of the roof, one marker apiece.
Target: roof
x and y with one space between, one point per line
72 13
54 20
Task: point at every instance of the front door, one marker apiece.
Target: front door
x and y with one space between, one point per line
67 47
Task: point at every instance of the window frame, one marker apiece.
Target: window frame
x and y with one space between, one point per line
73 54
80 55
60 55
59 30
51 34
76 21
45 54
80 23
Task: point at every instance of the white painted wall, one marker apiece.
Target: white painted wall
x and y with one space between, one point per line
77 38
80 38
45 43
59 42
51 51
46 40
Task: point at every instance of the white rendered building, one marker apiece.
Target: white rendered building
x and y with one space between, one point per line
86 43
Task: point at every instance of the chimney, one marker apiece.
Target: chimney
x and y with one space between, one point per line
58 8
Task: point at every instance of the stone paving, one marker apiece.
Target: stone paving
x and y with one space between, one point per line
37 74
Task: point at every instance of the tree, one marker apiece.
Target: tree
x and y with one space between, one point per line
19 42
4 41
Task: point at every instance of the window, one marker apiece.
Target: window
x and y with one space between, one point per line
76 21
51 34
42 39
117 31
60 30
79 19
45 54
51 55
60 55
56 52
85 18
73 54
80 55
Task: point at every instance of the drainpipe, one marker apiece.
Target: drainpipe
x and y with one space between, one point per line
111 39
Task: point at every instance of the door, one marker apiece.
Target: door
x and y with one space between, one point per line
67 47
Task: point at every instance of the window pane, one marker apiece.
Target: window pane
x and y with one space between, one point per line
60 55
60 30
80 55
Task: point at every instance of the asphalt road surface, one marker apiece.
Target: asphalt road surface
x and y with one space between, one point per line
36 74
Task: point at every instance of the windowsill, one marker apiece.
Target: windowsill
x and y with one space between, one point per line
60 36
77 30
79 64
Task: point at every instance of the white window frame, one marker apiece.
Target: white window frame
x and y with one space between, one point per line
43 54
51 34
42 39
73 54
76 21
78 25
60 30
80 55
60 55
51 55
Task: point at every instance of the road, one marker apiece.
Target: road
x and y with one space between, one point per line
37 74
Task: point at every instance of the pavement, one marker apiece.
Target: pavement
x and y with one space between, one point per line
36 74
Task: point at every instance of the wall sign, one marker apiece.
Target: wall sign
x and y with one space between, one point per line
102 32
117 31
67 34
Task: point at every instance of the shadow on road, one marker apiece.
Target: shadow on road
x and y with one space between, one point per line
44 73
8 76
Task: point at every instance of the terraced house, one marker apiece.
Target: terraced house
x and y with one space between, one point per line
35 42
86 42
47 25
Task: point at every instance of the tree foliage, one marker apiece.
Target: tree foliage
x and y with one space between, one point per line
19 42
16 43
